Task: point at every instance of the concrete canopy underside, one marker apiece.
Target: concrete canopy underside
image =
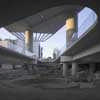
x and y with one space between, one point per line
14 10
47 21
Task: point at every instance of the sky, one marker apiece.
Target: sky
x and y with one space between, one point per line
58 40
4 34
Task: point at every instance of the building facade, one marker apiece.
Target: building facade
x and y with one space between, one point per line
37 49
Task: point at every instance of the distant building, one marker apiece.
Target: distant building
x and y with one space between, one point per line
16 45
40 51
37 49
55 53
49 59
8 43
19 46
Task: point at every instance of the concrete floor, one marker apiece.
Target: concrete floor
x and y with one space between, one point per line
30 93
19 89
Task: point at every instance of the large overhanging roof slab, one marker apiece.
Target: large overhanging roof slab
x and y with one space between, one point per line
14 10
47 21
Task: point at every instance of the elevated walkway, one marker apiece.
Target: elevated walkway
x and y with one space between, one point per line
85 46
8 56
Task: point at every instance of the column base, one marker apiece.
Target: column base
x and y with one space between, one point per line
74 71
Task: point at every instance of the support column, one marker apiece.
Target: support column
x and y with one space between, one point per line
71 27
29 40
0 65
14 67
74 69
65 72
92 68
65 69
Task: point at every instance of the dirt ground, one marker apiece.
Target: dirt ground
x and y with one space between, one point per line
14 86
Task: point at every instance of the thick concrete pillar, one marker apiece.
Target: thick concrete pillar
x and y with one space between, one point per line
0 65
71 27
14 67
29 40
65 69
92 67
74 69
